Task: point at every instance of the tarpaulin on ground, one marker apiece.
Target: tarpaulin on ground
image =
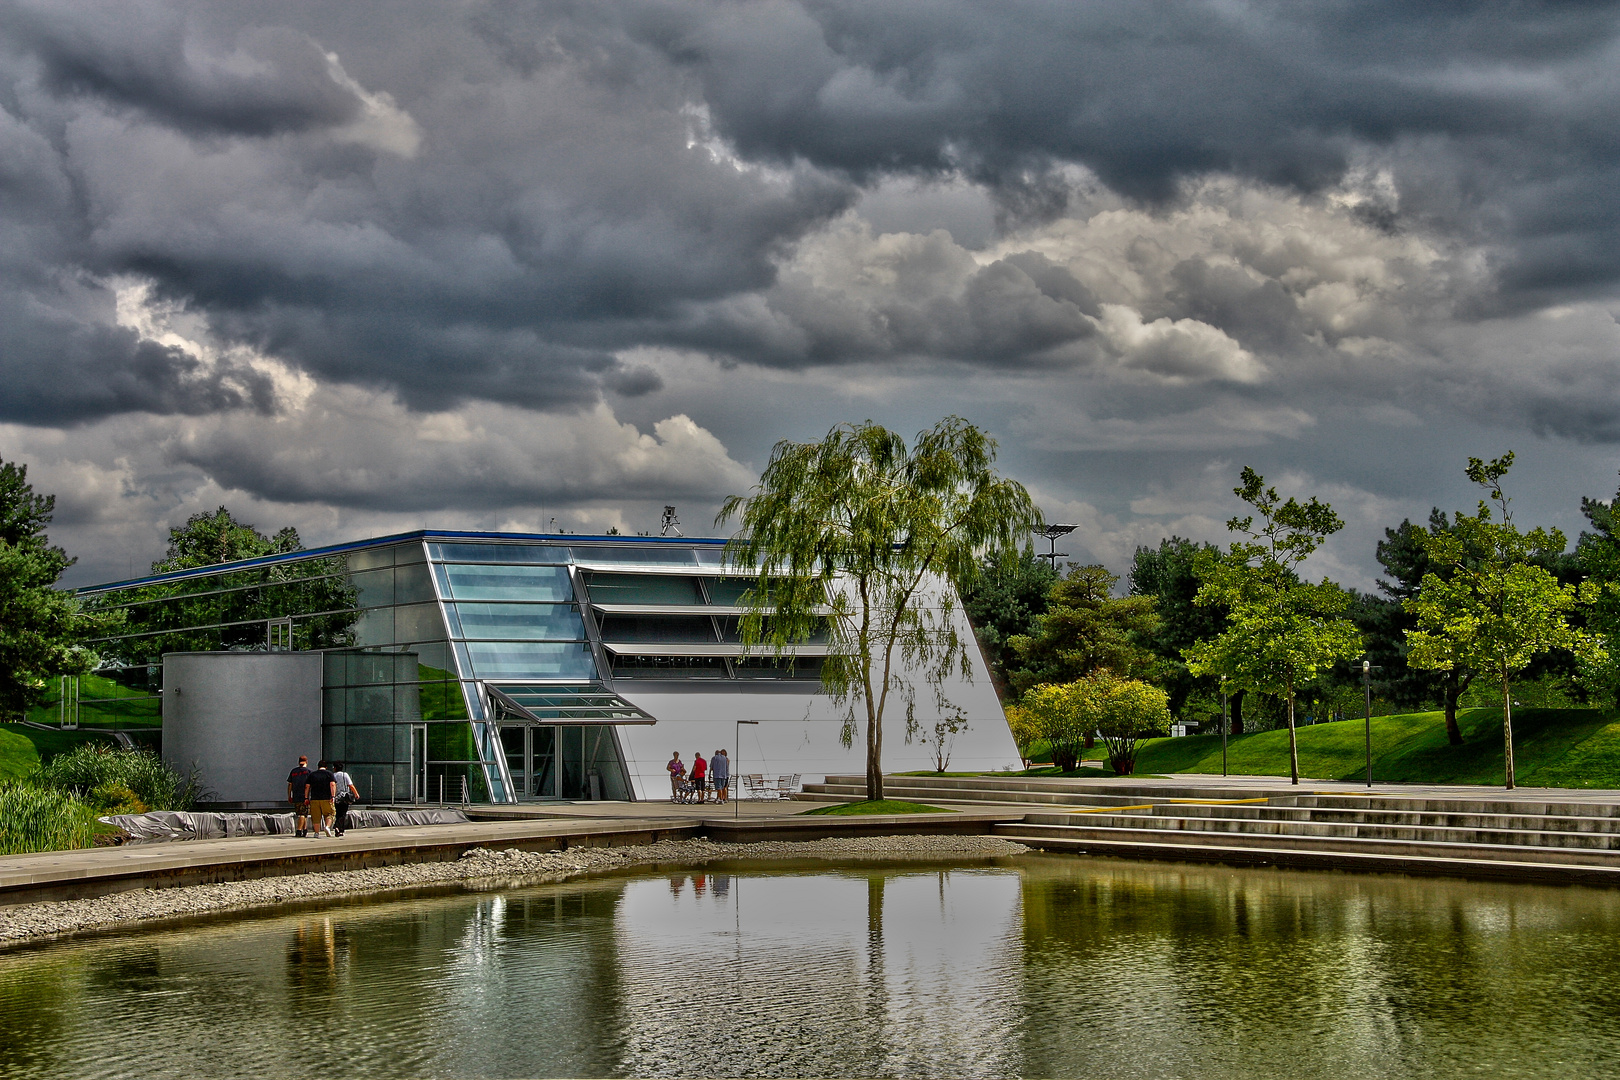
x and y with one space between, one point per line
199 825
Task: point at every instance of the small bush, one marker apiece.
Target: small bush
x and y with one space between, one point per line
34 818
93 767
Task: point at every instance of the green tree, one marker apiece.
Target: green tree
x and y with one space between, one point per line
870 539
1281 631
1497 610
1598 554
182 616
1167 575
1387 621
1051 713
1085 629
1123 712
40 625
1003 599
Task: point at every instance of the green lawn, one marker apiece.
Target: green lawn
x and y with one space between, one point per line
878 806
22 748
1552 748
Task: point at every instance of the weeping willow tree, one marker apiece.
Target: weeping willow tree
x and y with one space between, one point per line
865 539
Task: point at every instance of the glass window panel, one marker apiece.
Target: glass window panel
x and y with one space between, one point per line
335 711
769 667
375 627
529 660
369 558
450 742
499 553
669 667
452 618
412 584
418 622
643 589
651 556
509 582
369 705
728 591
365 743
528 622
375 587
710 556
658 628
409 553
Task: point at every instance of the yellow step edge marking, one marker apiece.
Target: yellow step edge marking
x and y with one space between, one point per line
1111 809
1218 802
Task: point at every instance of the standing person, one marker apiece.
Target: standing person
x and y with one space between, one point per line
298 795
322 787
700 772
720 775
676 772
347 796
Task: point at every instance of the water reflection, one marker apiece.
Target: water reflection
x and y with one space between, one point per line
1049 966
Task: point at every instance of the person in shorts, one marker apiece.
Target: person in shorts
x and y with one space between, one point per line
298 795
677 773
322 788
700 775
347 796
720 775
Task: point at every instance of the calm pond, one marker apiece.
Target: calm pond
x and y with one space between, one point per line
1035 966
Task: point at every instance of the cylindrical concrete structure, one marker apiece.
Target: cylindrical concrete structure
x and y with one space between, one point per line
241 719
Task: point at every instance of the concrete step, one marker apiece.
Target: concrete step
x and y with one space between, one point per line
1405 818
1137 844
1283 828
1082 838
899 789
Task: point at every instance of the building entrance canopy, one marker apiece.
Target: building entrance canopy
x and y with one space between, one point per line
554 705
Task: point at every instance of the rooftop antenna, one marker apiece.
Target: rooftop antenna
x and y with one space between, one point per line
1052 532
672 524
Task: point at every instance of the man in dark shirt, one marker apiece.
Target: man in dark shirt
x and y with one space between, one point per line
322 790
298 794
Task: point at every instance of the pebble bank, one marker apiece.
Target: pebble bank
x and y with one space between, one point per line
32 921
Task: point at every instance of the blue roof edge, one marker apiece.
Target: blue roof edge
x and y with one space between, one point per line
381 541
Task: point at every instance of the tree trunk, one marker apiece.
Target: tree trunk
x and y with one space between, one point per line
1453 732
1507 731
1293 742
1235 727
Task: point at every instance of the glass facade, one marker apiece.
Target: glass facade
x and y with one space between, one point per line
422 634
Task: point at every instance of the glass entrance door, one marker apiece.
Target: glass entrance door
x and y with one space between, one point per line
531 757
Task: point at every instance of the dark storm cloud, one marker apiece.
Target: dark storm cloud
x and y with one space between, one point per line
492 201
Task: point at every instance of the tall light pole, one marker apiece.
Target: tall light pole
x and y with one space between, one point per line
1052 532
736 808
1366 686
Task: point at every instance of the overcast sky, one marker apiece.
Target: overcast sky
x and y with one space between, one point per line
367 268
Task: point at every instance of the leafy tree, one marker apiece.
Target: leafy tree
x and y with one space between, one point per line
1386 621
1124 712
1497 610
183 616
1003 599
1281 631
870 539
1598 555
1166 574
40 626
1085 629
1052 713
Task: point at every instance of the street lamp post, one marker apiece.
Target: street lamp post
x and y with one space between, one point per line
1366 686
736 808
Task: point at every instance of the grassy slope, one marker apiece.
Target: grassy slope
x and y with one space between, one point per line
22 748
1552 748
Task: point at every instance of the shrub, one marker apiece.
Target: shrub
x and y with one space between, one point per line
34 818
95 767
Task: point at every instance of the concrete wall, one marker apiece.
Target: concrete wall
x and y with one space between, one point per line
242 719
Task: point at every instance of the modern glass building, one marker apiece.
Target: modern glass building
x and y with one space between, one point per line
519 667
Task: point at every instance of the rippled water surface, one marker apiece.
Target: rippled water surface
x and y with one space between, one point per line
1039 966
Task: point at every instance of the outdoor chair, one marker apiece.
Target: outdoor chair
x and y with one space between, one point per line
786 786
755 787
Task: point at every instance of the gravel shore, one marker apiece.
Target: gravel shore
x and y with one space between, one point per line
32 921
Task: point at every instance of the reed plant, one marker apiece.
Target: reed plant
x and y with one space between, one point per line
97 771
35 818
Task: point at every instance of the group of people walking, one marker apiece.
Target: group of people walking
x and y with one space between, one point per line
703 777
321 797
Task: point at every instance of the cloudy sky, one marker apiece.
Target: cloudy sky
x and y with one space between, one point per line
366 268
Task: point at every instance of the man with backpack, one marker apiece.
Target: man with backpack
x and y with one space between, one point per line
298 794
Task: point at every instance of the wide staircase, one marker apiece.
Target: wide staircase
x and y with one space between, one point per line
1487 834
